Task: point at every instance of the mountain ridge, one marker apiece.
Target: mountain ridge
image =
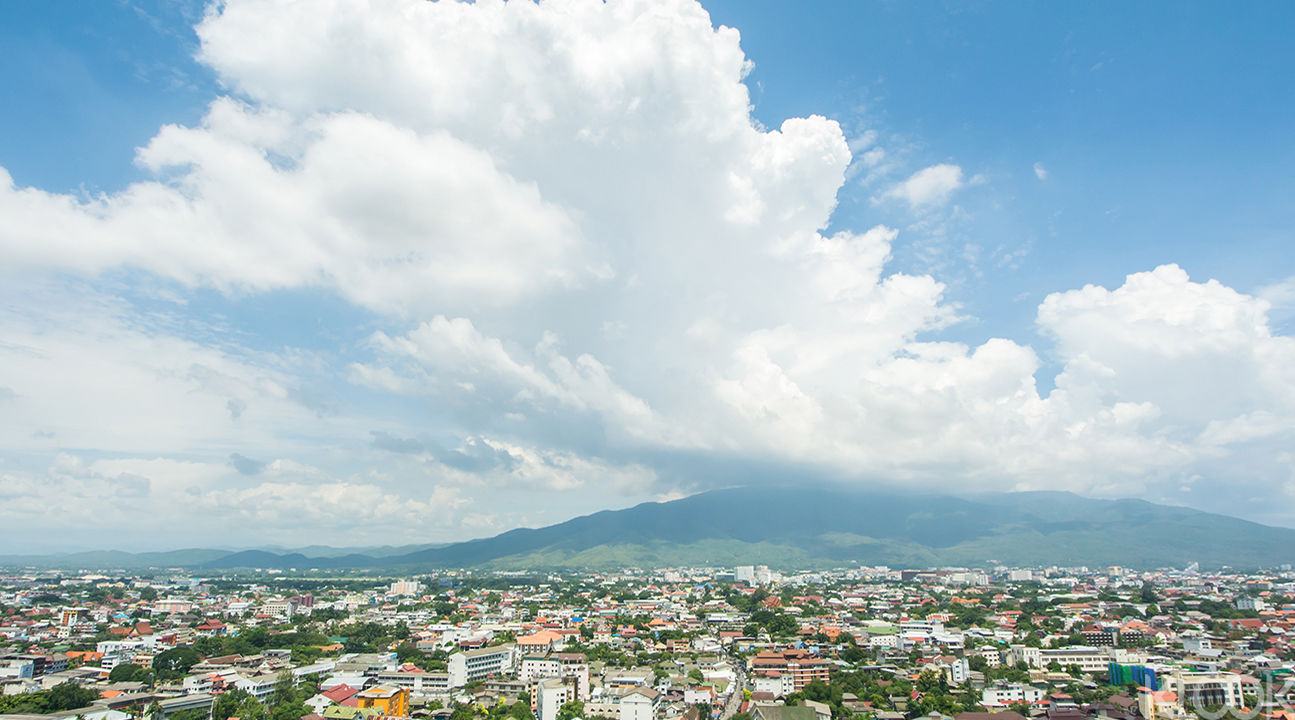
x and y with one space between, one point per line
805 527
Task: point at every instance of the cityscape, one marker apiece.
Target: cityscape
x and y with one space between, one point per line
647 360
742 643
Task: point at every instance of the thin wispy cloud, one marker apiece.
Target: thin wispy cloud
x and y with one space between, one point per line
929 186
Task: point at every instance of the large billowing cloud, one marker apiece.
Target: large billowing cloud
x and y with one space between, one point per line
596 276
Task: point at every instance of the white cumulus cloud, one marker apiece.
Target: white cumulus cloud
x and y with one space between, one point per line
593 277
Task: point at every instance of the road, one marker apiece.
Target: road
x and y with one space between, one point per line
735 698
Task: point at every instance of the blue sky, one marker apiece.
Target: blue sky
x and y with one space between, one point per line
555 329
1163 128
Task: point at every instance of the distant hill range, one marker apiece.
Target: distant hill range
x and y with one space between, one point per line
800 528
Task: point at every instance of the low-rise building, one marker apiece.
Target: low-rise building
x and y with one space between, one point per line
391 701
1004 694
639 703
802 666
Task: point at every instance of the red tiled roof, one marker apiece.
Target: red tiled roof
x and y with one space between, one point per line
340 694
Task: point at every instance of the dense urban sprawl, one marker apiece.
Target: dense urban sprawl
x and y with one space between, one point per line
694 644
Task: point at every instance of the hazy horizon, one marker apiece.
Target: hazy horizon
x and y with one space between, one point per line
396 541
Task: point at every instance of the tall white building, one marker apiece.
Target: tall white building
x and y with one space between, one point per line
574 666
550 695
765 576
280 607
406 587
465 667
959 671
1087 659
1251 603
1205 689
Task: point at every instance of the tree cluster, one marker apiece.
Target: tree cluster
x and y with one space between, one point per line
60 698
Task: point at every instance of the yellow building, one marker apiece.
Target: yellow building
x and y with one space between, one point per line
388 700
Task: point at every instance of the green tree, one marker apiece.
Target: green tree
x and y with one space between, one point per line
251 709
285 689
128 672
408 653
227 704
854 654
400 631
818 691
257 637
931 681
175 663
571 711
70 696
520 711
148 593
289 711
